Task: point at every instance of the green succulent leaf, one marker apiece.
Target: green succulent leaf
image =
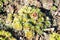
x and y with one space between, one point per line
54 36
4 35
53 8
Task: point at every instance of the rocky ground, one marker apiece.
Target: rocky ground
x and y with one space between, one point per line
50 9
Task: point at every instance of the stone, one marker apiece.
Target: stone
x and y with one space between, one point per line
56 2
47 4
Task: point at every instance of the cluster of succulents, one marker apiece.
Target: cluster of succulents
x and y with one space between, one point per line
54 36
29 19
4 35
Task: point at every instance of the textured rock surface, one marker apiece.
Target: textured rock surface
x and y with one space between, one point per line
47 4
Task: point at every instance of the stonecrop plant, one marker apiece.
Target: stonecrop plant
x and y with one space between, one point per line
54 36
5 35
30 20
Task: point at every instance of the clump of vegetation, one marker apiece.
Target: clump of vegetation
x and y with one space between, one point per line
27 19
30 20
53 8
4 35
54 36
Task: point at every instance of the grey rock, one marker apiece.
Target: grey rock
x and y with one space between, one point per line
56 2
47 4
49 29
46 37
